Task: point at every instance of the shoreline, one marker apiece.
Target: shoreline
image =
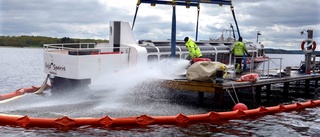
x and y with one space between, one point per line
17 47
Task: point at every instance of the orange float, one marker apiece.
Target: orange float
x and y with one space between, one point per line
21 91
66 123
251 77
12 94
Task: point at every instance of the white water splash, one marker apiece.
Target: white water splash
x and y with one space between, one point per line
116 93
116 85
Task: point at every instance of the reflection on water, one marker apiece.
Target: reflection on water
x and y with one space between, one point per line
23 67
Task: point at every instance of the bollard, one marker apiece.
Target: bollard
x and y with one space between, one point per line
288 71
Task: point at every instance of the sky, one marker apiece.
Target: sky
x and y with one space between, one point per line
279 21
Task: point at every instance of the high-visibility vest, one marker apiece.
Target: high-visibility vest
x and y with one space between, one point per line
239 49
194 50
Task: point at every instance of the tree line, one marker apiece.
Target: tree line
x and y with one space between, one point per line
283 51
38 41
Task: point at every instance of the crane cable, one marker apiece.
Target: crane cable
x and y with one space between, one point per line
135 15
234 17
198 13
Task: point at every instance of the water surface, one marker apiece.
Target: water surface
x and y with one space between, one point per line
23 67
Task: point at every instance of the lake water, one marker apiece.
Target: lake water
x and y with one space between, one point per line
23 67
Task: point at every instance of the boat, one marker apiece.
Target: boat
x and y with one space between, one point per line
78 64
259 56
71 65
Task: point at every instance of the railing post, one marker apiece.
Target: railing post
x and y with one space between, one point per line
263 67
234 67
268 67
280 66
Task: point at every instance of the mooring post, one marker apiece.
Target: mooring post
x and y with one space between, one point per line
268 92
285 90
258 94
308 55
200 96
307 87
218 97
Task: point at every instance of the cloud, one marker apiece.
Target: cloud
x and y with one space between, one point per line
279 21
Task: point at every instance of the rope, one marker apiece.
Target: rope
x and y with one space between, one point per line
231 96
135 15
235 93
234 90
274 63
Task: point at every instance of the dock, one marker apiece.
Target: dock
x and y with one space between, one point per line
264 82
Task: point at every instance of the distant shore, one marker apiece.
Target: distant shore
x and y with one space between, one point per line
267 50
18 47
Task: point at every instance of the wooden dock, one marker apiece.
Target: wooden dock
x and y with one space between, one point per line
230 84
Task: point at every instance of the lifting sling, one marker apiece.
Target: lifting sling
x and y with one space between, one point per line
235 20
197 21
135 15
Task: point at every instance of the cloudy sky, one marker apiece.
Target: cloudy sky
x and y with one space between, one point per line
279 21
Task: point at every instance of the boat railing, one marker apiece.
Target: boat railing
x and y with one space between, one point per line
82 49
268 66
60 47
265 67
251 62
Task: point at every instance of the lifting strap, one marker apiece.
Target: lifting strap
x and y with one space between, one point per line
135 15
234 36
197 21
235 20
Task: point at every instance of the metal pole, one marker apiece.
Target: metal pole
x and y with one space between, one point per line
197 22
252 60
308 55
230 59
268 67
258 33
234 65
173 32
263 65
280 67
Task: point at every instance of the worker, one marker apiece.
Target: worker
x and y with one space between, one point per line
239 48
194 50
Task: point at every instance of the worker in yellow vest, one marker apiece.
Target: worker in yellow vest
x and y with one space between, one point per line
194 50
238 49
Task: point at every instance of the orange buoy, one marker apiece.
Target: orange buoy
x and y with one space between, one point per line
240 106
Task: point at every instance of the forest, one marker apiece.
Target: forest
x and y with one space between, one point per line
38 41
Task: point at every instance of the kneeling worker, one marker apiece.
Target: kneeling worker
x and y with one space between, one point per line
194 50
